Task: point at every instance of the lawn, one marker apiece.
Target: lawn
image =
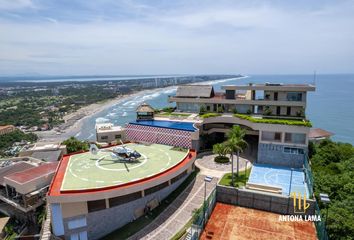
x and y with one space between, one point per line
239 181
305 123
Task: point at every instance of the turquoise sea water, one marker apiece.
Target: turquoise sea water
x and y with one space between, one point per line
330 107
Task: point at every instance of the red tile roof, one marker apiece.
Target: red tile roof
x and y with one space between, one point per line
16 167
33 173
319 133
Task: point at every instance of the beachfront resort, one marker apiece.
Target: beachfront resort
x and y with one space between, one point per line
131 170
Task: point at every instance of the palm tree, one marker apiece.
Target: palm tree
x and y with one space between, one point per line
220 149
235 143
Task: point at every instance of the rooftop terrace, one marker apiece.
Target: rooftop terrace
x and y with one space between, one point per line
86 171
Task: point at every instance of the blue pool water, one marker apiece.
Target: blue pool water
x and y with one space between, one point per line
185 126
290 180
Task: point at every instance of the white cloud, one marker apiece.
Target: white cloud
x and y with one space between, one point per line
208 39
15 4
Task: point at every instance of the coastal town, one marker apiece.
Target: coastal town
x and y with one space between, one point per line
53 110
239 143
176 120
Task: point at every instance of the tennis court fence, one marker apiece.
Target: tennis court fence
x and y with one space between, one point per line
201 216
308 175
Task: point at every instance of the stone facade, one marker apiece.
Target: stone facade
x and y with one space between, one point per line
274 154
103 222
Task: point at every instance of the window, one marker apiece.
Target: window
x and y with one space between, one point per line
230 94
175 179
299 138
79 236
118 136
104 137
276 96
294 96
290 150
278 110
156 188
96 205
288 111
124 199
271 136
77 223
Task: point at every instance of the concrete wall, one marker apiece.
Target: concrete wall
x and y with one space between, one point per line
103 222
109 136
262 201
274 154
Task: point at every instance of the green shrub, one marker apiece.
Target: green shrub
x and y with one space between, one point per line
305 123
202 109
267 111
333 173
220 110
208 115
221 159
168 109
75 145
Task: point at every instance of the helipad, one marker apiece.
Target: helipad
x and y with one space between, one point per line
88 171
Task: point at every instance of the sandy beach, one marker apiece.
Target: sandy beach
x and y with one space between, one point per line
74 121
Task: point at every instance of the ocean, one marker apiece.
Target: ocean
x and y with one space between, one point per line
330 107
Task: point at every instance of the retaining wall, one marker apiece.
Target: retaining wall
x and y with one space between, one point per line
101 223
274 154
262 201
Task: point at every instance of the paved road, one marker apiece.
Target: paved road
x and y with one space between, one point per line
178 213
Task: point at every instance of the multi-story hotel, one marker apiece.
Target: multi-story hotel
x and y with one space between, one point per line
92 195
262 99
272 114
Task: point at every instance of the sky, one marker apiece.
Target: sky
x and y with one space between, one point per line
75 37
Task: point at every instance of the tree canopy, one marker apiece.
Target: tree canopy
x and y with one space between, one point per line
333 169
7 140
75 145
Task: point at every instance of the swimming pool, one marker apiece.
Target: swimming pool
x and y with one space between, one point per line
289 179
185 126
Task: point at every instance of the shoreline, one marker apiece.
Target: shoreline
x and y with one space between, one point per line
74 121
77 117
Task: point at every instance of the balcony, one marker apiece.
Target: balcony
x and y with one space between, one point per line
240 99
24 203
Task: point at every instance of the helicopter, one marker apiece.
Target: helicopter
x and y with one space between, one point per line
120 152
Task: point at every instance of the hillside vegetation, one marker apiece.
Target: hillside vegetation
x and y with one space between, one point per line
333 170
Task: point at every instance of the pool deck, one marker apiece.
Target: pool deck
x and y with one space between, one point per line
169 124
